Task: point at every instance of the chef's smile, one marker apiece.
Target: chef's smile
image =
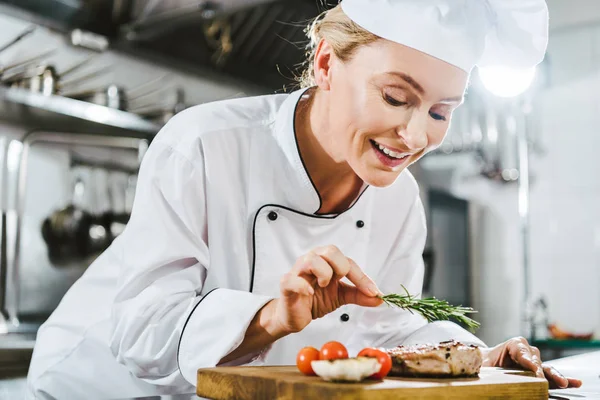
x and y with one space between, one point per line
389 156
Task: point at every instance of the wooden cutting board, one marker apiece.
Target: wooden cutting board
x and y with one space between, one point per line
286 383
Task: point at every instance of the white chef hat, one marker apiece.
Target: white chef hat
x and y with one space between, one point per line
464 33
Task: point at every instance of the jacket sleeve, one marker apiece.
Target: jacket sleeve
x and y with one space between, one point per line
164 324
385 326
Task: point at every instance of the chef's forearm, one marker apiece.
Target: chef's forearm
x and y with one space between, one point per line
262 331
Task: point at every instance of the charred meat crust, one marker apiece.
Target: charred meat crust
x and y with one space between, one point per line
449 359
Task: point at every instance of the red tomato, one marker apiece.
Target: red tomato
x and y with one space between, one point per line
304 358
333 351
382 357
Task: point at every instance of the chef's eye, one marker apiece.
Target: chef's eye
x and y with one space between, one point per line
437 117
440 112
393 102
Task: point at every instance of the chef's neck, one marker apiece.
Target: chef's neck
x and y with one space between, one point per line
337 184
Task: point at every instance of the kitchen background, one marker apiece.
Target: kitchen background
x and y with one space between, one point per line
106 74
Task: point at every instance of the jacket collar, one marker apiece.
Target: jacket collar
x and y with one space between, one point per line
302 194
299 189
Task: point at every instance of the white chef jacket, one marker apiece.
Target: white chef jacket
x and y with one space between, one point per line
224 207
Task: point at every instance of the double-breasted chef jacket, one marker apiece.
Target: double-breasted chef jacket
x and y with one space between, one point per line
224 206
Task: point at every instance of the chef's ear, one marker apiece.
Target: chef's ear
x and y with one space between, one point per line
322 64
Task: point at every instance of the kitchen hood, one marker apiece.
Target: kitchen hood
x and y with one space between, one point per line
259 41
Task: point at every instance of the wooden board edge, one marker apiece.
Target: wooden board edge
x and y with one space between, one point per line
216 385
210 384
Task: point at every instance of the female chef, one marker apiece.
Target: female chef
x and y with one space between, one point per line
266 224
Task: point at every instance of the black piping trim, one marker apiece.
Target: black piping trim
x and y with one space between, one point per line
317 216
300 154
186 322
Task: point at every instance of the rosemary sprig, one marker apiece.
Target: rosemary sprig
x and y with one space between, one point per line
431 308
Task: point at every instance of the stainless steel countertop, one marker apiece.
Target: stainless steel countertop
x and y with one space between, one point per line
585 367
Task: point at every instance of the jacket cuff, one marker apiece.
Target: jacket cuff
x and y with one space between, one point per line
442 331
216 326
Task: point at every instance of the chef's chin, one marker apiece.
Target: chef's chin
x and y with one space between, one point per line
377 177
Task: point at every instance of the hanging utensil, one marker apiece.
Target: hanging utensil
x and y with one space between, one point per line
19 37
116 218
64 231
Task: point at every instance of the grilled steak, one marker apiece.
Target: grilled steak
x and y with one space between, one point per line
444 360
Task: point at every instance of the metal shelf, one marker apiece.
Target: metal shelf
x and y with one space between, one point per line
37 111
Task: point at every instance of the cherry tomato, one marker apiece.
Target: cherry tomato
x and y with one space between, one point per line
382 357
333 351
304 358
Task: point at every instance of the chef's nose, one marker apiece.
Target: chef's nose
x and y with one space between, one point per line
414 131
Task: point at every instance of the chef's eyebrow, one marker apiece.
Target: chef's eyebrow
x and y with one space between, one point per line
410 80
417 87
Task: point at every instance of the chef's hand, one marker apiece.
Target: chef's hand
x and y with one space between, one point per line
313 289
517 353
310 290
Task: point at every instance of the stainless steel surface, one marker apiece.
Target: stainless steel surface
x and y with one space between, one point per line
450 269
42 79
13 284
18 38
142 89
76 66
162 112
50 111
82 79
585 367
524 200
154 18
3 206
15 356
20 66
89 40
13 386
112 96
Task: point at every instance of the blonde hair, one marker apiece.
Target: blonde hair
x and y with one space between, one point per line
342 34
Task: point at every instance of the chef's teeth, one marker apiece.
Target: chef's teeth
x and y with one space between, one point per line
390 152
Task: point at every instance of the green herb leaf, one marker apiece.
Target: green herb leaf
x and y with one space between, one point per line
431 308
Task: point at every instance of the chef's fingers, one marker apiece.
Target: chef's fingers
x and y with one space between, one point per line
574 382
555 378
535 355
521 353
315 266
362 280
335 258
293 284
351 295
312 268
